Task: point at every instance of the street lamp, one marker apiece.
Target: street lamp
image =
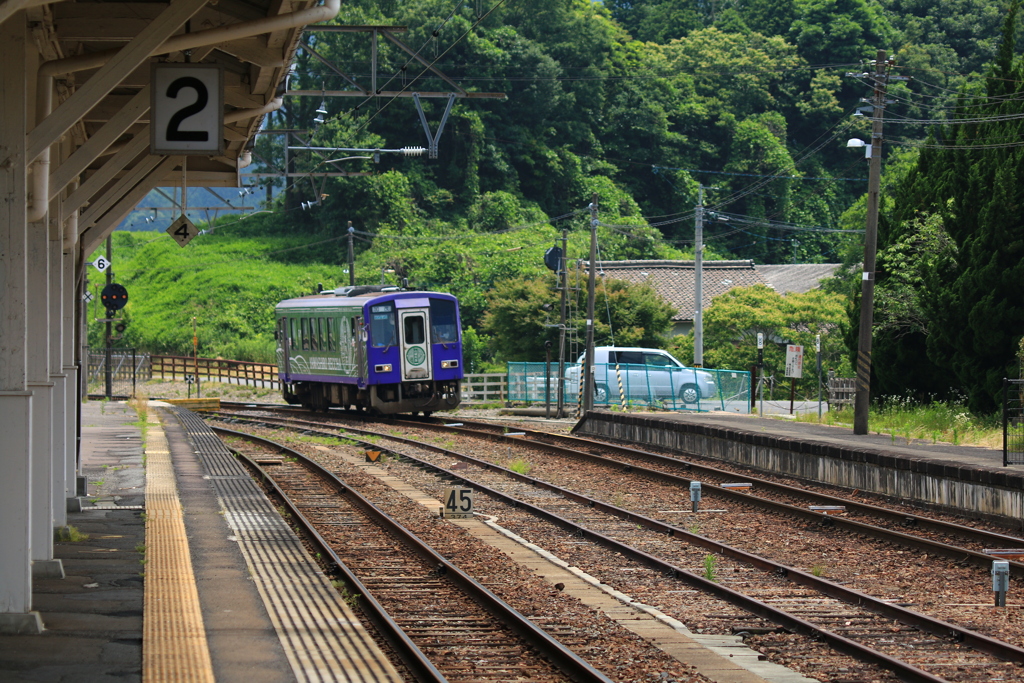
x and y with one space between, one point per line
857 142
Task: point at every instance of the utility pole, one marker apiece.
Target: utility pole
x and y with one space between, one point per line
563 275
351 256
588 359
862 400
698 252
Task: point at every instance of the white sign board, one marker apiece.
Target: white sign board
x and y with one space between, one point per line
101 264
794 361
187 107
182 230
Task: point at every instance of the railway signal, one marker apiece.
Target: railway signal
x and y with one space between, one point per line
114 296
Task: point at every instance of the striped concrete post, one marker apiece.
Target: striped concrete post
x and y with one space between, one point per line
622 394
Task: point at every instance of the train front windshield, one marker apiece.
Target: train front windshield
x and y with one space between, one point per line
444 323
383 331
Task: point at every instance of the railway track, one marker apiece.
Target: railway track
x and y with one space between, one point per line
446 625
851 621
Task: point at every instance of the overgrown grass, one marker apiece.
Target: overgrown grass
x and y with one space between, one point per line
904 420
140 404
710 567
520 466
69 534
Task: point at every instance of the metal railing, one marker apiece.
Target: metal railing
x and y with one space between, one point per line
636 386
1013 422
240 372
126 369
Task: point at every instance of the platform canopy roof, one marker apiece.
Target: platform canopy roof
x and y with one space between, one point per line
95 65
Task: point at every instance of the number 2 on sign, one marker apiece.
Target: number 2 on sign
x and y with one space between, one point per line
458 501
174 134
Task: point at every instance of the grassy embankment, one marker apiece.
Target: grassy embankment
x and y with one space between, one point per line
932 422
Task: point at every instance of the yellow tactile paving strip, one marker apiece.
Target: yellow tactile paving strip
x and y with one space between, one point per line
174 647
322 638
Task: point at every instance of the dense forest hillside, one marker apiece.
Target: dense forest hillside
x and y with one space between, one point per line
644 104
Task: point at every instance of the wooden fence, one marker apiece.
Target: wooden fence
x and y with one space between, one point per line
480 387
238 372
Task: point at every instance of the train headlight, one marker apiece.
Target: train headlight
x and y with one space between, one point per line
386 367
446 364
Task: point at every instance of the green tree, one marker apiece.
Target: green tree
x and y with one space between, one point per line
518 322
733 321
971 294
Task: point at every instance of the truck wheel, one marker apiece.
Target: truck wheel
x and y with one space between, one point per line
689 393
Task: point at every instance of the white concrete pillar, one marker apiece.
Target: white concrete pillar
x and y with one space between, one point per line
16 615
71 394
58 492
38 296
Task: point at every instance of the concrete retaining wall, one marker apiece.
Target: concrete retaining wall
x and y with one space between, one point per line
986 492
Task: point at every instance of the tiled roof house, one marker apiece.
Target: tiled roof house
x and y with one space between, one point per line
675 281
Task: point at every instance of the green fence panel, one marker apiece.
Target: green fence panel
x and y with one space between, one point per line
635 387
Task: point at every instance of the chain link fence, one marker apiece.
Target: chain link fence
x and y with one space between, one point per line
114 373
631 386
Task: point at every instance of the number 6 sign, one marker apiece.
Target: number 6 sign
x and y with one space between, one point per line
187 109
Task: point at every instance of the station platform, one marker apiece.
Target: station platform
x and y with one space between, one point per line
964 479
177 568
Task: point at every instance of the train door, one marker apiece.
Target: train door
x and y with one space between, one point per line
285 345
359 337
415 344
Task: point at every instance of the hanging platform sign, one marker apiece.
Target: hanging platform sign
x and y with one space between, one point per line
182 230
187 106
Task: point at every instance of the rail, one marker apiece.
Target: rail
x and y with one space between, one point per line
241 372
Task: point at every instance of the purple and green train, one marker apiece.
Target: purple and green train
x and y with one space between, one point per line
373 348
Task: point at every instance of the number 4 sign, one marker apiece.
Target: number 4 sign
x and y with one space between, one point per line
182 230
187 105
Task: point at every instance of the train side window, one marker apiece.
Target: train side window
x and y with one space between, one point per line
383 330
331 322
305 334
414 332
444 321
292 332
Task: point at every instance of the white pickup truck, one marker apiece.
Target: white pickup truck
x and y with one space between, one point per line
647 374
